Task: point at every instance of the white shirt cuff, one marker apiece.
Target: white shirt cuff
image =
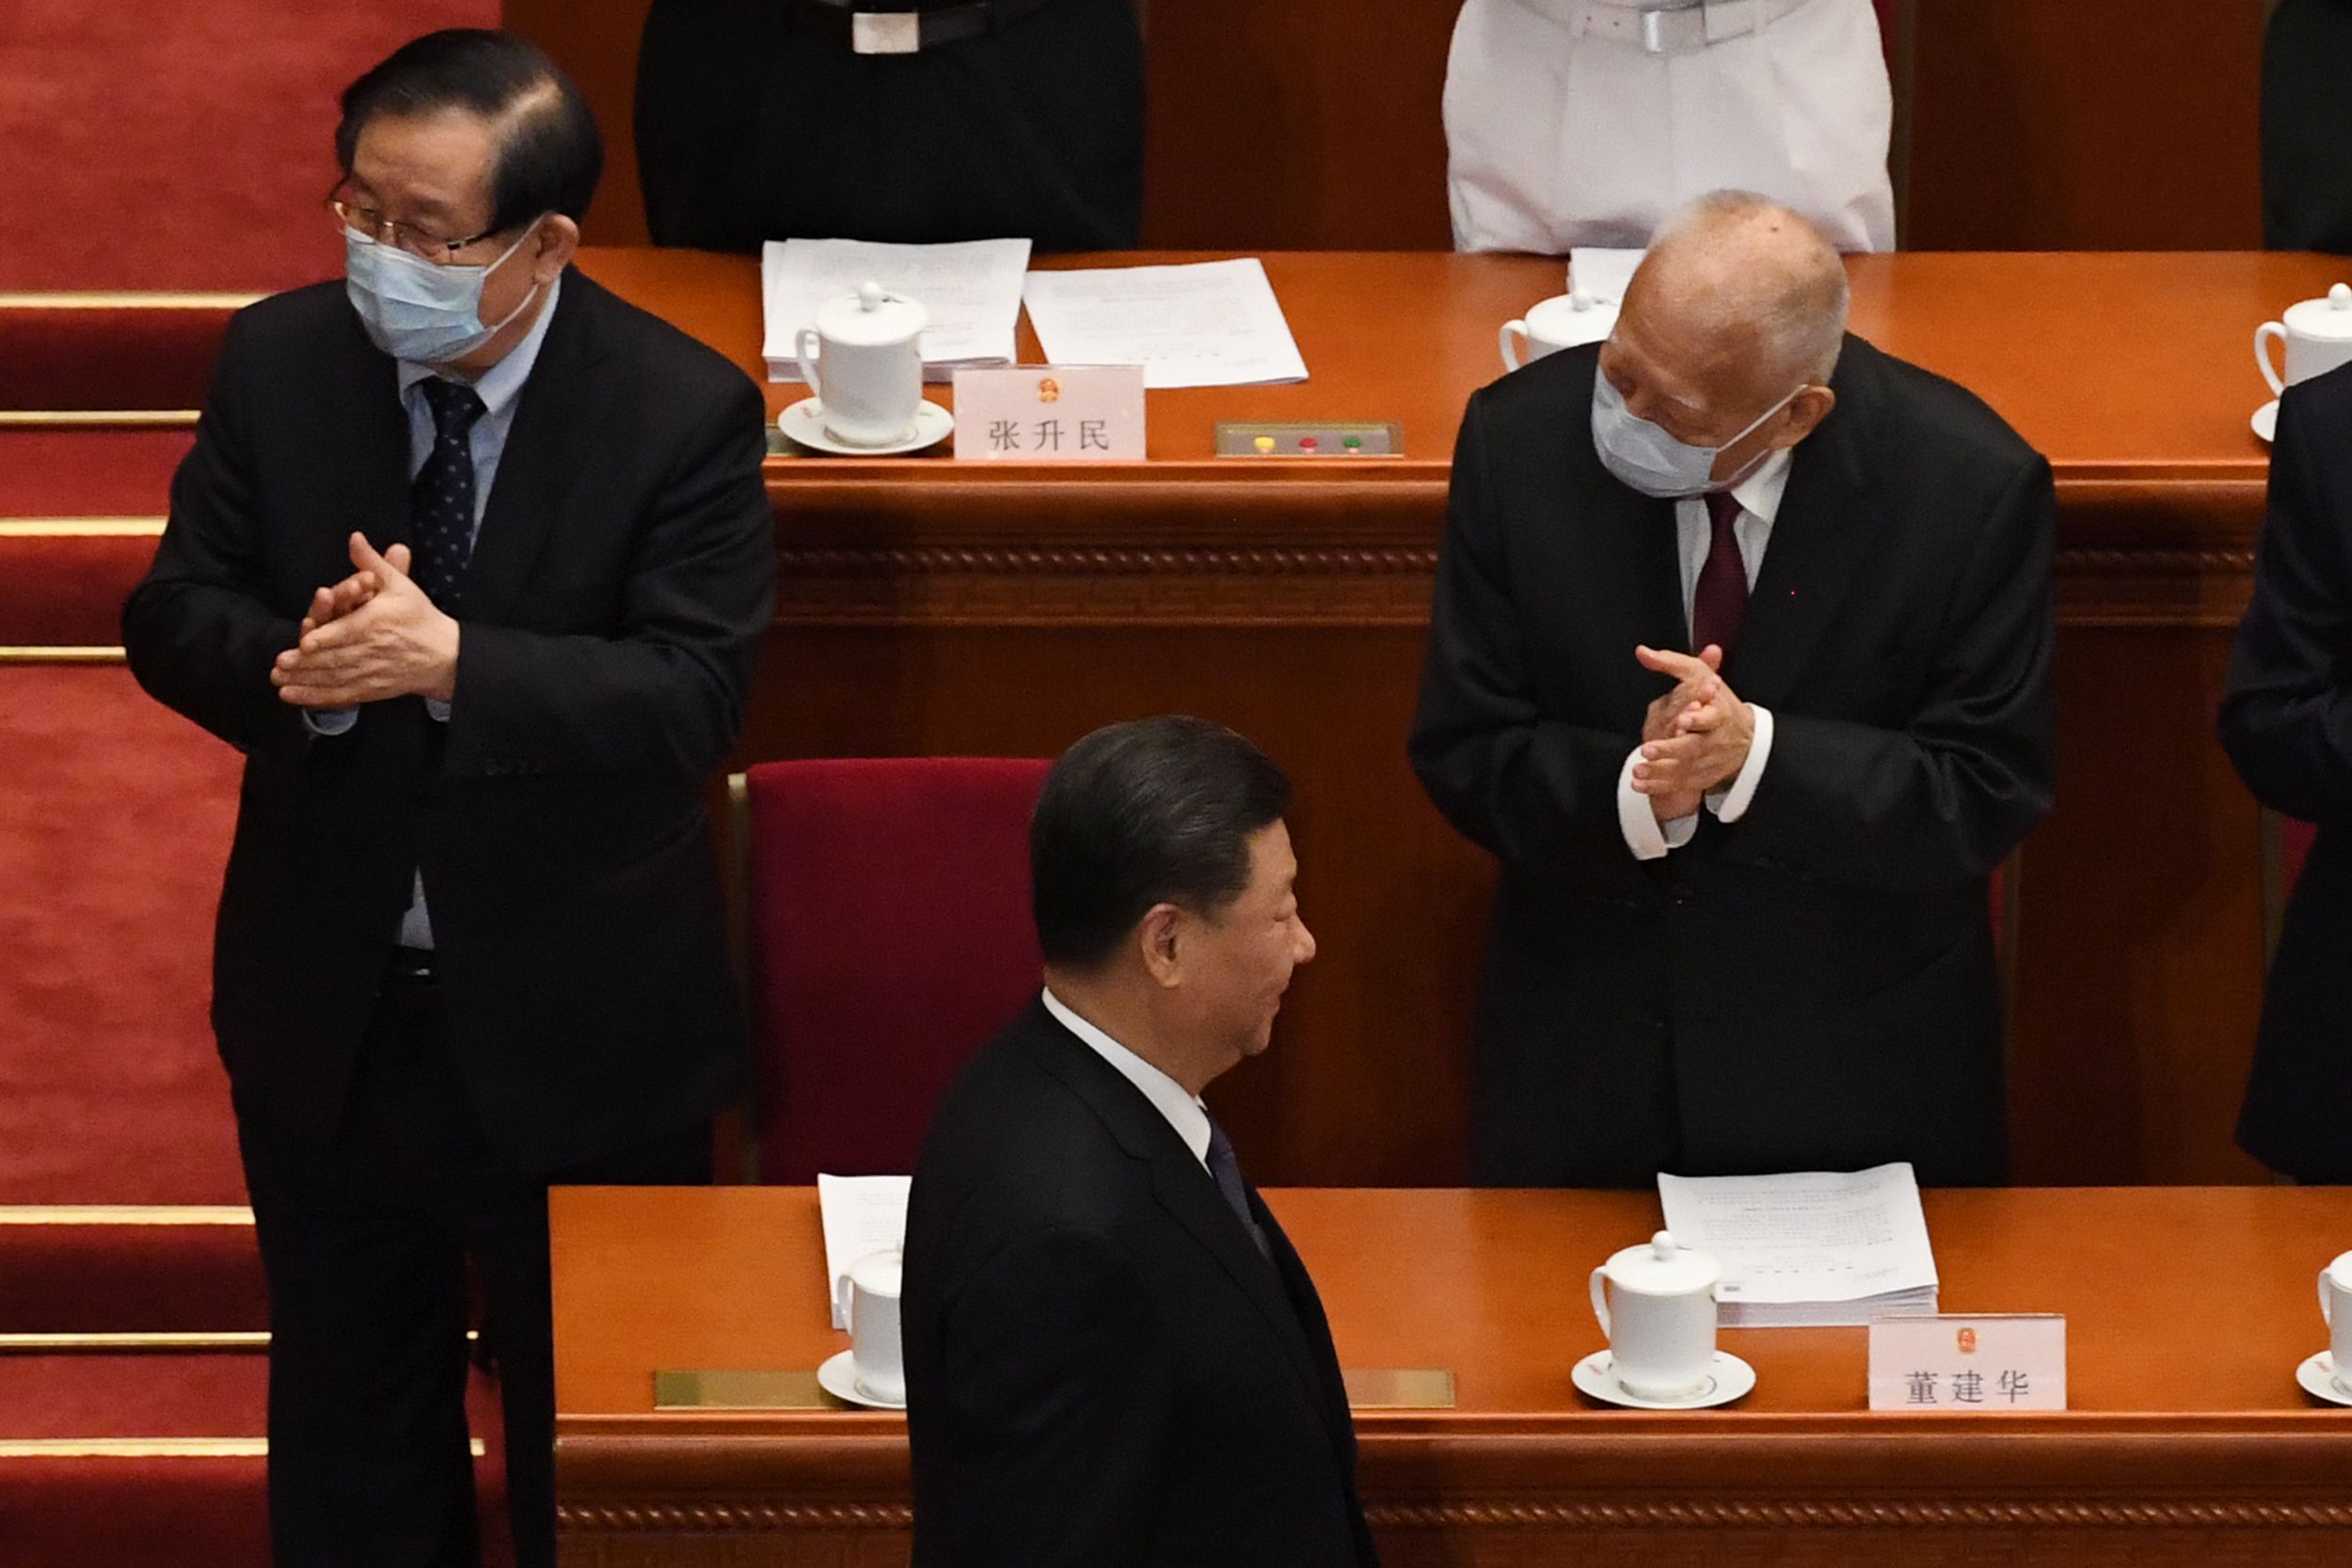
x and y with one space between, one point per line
1731 804
1648 838
440 710
329 720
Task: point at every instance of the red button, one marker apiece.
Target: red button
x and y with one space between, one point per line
1308 443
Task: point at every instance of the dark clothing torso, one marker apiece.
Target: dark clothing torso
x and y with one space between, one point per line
2283 723
749 131
1102 1367
1812 987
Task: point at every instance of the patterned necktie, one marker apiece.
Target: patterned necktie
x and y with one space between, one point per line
441 497
1720 600
1227 1172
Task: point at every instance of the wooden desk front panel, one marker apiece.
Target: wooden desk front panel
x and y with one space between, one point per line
929 606
2189 1442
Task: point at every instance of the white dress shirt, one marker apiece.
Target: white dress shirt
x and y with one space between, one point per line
1182 1110
1758 495
501 391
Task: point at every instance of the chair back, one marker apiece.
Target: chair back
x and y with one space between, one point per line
888 921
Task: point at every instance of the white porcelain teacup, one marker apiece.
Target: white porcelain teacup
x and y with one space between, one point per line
871 1310
864 359
1656 1304
2316 335
2335 1311
1564 320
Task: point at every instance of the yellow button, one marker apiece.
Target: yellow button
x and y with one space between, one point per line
1265 443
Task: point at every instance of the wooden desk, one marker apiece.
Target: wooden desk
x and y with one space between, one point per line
934 606
2189 1442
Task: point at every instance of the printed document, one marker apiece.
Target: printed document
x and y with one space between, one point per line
1207 323
862 1215
1818 1249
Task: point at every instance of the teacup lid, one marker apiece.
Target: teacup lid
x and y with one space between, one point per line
1664 1267
1571 319
871 317
2329 316
2340 1270
878 1271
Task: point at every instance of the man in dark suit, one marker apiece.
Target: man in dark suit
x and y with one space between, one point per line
2283 722
1113 1354
470 560
1741 920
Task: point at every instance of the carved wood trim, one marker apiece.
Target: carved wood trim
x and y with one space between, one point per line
648 1516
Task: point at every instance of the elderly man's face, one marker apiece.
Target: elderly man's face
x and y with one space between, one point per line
430 172
1701 386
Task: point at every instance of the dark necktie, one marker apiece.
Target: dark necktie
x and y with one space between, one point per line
1720 600
1227 1171
441 497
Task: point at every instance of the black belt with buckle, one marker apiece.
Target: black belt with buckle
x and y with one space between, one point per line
905 30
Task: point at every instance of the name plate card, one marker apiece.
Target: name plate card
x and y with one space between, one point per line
1050 414
1968 1366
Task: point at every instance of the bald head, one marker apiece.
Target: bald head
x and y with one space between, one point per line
1747 271
1729 331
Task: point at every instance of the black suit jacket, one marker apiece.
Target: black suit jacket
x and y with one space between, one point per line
2286 721
1101 1365
1813 985
621 580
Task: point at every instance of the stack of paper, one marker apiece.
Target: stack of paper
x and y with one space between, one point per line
862 1215
972 291
1819 1250
1210 324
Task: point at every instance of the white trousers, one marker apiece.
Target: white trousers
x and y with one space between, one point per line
1556 140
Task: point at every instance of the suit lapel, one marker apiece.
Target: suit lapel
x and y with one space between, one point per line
1179 1181
1818 544
1630 540
372 493
1307 1307
553 433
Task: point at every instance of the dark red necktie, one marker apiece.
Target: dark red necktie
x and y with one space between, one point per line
1719 601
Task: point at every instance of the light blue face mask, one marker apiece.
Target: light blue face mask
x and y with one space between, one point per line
417 311
1647 458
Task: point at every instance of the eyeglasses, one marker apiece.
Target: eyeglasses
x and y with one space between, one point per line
371 221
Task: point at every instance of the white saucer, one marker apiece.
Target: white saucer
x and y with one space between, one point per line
1731 1379
2317 1374
837 1375
805 423
2267 421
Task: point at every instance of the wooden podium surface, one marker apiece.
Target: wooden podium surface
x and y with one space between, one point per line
2188 1440
927 606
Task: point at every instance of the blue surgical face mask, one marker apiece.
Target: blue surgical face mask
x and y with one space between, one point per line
1645 457
417 311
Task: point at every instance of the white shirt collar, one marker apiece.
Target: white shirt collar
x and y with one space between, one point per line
500 384
1184 1112
1758 495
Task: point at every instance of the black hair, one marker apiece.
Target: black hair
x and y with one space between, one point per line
551 155
1154 811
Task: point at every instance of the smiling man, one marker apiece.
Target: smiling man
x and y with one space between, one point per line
470 560
1739 666
1113 1354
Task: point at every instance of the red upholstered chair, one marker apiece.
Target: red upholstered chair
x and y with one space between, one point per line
2286 843
888 916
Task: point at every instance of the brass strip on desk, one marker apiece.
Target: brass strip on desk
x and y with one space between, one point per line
751 1390
1399 1388
1368 1388
123 1213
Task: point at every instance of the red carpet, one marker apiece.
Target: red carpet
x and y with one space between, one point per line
153 145
111 849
